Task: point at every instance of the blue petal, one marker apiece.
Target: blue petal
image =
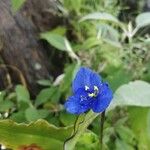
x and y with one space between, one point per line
103 100
74 106
85 77
95 80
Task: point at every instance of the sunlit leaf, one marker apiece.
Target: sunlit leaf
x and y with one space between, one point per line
143 20
102 16
40 133
55 40
136 93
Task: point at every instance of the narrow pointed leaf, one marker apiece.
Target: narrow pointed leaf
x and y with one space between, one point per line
102 16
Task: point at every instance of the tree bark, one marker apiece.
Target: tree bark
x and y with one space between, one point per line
22 53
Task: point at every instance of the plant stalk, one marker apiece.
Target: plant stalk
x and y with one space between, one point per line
102 120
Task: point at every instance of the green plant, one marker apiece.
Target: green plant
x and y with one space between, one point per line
119 51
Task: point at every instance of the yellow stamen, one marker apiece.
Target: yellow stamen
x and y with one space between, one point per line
95 88
86 88
91 94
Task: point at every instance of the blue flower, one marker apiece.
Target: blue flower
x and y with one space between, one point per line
89 92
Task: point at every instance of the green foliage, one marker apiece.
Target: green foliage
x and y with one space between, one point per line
41 133
80 127
88 141
143 20
32 114
67 119
93 36
45 95
17 4
44 82
22 94
138 119
101 17
135 93
6 105
55 40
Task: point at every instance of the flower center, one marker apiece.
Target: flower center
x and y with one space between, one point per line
92 93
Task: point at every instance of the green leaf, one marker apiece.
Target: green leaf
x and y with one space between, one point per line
69 75
109 34
61 30
22 94
44 82
43 113
6 105
2 95
23 105
125 134
80 128
88 141
43 96
148 124
18 117
139 125
121 145
109 53
143 20
136 93
102 16
55 40
67 119
114 77
49 94
17 4
90 43
40 133
59 42
32 114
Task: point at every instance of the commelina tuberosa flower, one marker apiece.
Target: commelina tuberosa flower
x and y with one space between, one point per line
89 92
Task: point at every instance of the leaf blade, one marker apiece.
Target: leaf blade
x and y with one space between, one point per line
41 133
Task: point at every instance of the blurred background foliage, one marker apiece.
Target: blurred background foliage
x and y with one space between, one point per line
111 37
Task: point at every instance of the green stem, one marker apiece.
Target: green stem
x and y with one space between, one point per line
102 119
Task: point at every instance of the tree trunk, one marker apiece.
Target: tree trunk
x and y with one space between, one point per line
23 55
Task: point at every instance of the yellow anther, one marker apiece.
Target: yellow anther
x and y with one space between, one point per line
87 88
91 94
95 88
